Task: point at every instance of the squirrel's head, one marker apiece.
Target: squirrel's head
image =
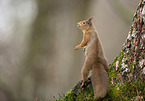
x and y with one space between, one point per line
85 25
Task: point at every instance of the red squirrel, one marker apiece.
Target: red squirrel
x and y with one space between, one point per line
95 61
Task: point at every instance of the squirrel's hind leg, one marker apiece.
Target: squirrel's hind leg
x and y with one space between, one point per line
85 71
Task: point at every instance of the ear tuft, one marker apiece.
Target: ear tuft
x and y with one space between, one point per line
90 19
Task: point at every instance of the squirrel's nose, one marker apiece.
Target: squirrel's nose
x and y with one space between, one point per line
78 25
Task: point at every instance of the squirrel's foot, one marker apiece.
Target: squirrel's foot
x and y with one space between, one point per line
84 83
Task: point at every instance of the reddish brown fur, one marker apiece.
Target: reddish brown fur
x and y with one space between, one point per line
95 60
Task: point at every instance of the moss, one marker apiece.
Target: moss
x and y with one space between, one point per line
81 95
69 92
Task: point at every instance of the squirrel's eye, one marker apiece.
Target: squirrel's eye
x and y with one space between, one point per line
84 22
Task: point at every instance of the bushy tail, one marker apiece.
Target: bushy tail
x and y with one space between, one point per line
100 81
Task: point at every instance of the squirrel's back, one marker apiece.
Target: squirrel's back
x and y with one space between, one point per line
94 51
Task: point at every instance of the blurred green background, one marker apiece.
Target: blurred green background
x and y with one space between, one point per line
37 40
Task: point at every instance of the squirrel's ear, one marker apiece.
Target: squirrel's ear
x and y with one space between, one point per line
89 21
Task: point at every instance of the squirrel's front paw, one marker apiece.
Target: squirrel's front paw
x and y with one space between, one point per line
84 49
77 47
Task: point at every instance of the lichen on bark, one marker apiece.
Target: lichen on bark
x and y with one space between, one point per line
130 64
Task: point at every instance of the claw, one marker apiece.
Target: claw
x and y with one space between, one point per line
84 84
84 49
